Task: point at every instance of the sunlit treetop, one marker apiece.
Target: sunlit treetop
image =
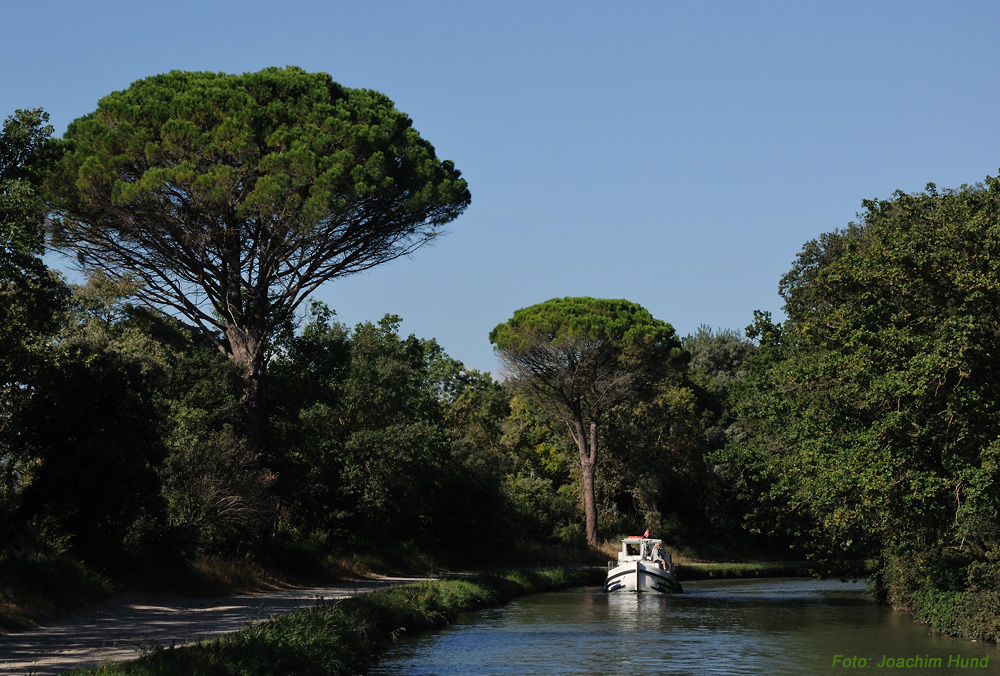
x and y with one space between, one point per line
250 189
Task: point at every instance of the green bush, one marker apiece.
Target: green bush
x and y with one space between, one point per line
951 598
37 587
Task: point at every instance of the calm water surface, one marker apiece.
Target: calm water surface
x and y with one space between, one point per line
781 626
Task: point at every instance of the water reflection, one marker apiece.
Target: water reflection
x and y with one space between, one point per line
725 627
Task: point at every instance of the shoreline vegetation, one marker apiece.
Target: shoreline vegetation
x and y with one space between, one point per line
148 426
742 570
39 589
346 636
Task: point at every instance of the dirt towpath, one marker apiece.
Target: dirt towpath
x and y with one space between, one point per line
126 627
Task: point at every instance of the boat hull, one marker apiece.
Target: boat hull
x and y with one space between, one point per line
638 576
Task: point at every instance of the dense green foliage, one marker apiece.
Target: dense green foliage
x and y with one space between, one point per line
124 441
231 198
862 429
655 470
363 447
872 411
581 359
30 296
374 438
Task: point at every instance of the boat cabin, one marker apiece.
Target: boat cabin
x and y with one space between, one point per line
645 549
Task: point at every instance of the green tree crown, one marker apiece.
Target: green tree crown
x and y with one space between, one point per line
231 198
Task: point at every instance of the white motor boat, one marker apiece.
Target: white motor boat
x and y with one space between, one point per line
642 566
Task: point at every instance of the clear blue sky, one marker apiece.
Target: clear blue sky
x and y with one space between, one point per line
677 154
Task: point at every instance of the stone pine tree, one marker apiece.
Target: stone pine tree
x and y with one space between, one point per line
231 198
581 358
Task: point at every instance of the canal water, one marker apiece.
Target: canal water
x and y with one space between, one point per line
777 626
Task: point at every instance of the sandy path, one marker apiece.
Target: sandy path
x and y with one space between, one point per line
127 626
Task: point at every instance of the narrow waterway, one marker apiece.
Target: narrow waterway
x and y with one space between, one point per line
783 626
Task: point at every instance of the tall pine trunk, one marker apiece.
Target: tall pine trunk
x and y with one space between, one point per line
247 350
587 447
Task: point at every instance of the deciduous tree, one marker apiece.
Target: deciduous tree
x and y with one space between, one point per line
874 425
30 294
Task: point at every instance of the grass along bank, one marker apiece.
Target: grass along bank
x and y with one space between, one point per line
345 636
38 588
725 571
706 567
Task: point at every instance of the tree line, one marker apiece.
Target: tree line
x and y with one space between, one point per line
135 422
126 446
869 416
184 402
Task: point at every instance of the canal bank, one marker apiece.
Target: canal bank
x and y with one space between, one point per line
742 570
774 626
124 629
332 638
344 636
